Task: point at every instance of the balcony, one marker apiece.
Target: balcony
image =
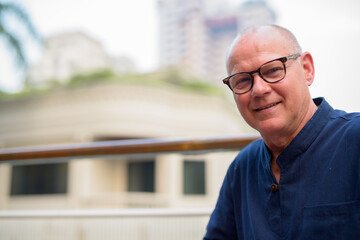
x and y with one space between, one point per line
98 203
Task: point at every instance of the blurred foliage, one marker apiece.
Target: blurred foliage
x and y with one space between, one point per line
170 77
91 78
11 11
174 77
3 94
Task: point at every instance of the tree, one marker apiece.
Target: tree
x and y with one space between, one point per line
11 38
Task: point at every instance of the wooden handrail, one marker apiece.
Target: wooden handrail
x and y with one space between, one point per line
127 147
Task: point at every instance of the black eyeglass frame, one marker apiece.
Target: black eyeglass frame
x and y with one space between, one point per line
282 59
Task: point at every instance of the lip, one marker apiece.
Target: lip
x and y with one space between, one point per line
265 107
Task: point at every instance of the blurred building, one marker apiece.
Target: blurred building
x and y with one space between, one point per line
115 111
71 53
195 34
118 111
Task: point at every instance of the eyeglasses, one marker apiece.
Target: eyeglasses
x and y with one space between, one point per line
271 72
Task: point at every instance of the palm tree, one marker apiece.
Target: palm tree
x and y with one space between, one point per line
9 35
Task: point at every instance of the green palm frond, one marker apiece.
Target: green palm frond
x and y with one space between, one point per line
14 42
15 45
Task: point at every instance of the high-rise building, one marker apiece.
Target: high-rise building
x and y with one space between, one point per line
195 35
182 33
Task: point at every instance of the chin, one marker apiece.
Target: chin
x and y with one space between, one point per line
270 127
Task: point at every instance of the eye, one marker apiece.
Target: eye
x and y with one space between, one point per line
272 71
240 80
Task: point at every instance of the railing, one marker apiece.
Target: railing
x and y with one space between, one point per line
157 223
126 147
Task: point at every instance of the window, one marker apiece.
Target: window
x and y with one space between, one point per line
39 179
141 176
194 177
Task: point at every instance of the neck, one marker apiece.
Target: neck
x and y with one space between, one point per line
277 142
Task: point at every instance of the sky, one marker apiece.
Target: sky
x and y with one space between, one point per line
328 29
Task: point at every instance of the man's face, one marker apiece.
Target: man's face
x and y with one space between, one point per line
272 108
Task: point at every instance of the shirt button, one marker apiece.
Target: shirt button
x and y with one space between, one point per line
274 187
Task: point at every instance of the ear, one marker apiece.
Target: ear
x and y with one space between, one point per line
307 64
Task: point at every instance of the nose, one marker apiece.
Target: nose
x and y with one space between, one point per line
260 87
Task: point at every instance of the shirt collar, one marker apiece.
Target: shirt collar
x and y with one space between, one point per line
308 134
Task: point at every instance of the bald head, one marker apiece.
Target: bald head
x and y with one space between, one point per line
289 40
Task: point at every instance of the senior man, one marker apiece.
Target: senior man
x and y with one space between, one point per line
302 179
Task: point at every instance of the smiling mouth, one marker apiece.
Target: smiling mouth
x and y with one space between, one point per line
266 107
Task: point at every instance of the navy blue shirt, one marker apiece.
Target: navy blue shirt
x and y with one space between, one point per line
318 196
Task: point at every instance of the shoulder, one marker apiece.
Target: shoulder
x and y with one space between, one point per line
346 120
353 122
346 125
337 119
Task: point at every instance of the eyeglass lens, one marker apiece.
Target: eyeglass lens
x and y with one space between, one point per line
271 72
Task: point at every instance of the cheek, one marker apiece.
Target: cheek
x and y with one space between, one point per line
296 89
242 104
286 89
